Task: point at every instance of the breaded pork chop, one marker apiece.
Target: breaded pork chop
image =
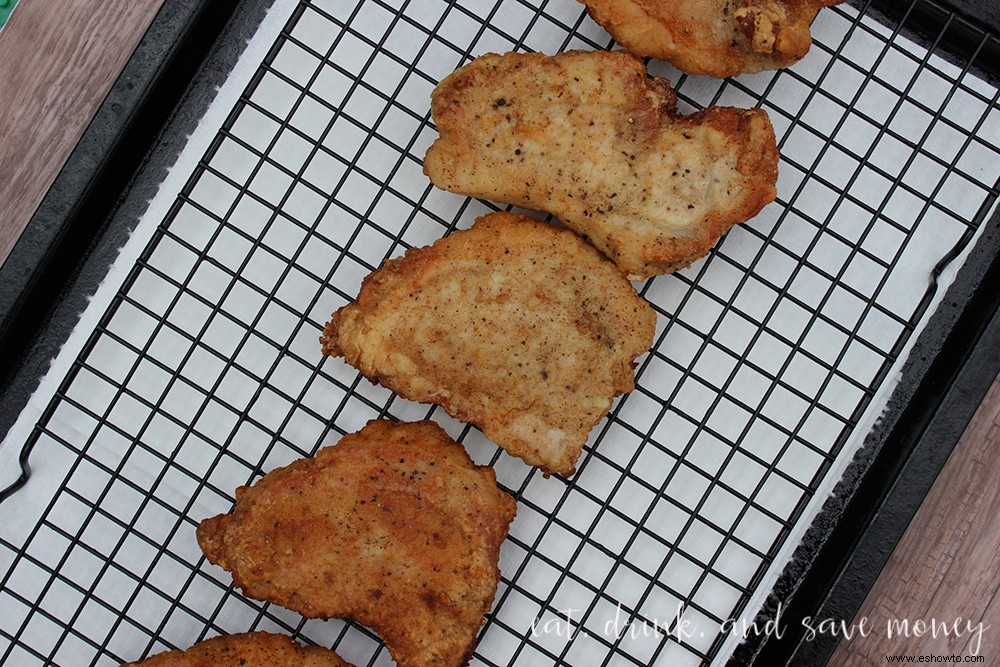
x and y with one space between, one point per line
249 649
515 325
590 138
717 37
394 527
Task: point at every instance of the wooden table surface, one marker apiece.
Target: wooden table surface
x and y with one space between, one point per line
57 62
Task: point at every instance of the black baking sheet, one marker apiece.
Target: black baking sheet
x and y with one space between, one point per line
196 367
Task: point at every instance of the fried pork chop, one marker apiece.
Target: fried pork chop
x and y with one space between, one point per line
515 325
249 649
717 37
590 138
394 527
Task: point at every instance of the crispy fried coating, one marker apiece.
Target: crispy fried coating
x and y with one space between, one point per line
515 325
590 138
394 527
248 649
717 37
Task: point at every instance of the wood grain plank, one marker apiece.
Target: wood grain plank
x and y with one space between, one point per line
946 568
58 60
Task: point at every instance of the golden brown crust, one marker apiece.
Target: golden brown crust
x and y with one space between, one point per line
717 37
590 138
394 527
514 325
249 649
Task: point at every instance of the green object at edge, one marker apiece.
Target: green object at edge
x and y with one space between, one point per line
6 7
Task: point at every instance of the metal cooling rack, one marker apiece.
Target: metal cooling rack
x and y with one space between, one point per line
774 356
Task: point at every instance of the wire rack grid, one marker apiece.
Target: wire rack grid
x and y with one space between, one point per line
773 356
